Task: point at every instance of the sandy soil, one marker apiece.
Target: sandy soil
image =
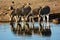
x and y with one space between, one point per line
5 4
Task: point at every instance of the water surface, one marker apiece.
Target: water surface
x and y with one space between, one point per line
7 34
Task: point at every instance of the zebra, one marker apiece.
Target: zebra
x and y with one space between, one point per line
23 11
16 13
44 13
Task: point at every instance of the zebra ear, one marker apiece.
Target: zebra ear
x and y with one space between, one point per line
23 5
13 2
11 8
28 4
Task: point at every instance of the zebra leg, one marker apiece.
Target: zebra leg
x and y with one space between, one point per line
48 26
11 18
26 19
44 21
17 18
32 23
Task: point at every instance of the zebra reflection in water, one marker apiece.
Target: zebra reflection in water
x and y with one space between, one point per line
28 31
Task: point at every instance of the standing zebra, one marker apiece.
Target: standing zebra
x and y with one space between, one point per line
16 13
45 13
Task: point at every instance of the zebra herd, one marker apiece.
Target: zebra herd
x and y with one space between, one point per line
26 12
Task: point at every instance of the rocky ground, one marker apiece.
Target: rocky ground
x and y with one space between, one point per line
5 4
